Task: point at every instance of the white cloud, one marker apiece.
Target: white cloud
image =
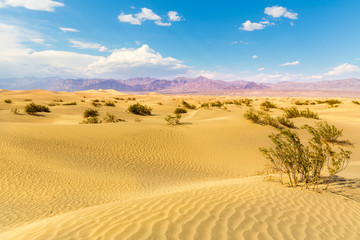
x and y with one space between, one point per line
343 69
240 42
68 29
120 63
290 64
251 26
129 18
255 57
37 40
41 5
261 69
174 16
278 11
86 45
147 14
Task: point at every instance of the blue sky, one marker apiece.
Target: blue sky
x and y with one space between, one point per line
263 41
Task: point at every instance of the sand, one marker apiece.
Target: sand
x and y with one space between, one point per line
144 179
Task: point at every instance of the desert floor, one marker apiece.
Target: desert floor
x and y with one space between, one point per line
145 179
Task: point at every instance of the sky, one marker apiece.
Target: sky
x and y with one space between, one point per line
259 40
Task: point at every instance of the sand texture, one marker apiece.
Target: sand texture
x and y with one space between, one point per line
145 179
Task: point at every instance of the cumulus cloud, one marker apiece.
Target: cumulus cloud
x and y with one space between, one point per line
255 57
147 14
120 63
251 26
278 11
37 40
86 45
40 5
290 64
343 69
174 16
68 29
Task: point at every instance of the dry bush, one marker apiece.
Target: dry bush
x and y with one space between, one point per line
180 110
140 109
33 108
173 120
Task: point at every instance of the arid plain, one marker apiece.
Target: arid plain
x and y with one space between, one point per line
144 179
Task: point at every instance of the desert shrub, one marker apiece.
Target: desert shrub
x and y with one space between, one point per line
180 110
286 122
51 104
261 118
237 102
7 101
160 103
133 98
58 100
91 120
307 113
248 102
96 103
205 105
356 102
328 133
82 100
111 118
173 120
69 103
188 105
229 102
307 102
292 112
267 105
33 108
289 156
140 109
27 100
91 113
217 104
96 100
330 102
110 104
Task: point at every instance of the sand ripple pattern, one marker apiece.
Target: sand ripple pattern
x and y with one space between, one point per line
232 209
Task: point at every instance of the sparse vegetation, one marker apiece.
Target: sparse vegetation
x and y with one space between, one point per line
356 102
8 101
331 102
288 156
96 103
70 103
173 120
286 122
33 108
111 118
27 100
180 110
91 113
15 111
293 112
188 105
261 118
110 104
91 120
140 109
267 105
58 100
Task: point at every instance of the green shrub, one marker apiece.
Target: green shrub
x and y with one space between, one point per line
205 105
69 103
307 113
253 116
286 122
248 102
304 164
96 103
173 120
188 105
330 102
91 113
140 109
261 118
110 104
293 112
267 105
180 110
7 101
328 133
33 108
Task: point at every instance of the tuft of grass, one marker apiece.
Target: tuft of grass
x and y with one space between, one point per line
140 109
33 108
180 110
110 104
173 120
188 105
70 103
111 118
91 113
8 101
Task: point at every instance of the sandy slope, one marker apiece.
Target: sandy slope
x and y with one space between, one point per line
144 179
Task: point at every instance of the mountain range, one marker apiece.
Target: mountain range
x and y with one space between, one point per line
177 85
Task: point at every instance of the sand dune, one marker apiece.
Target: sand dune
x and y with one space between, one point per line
143 179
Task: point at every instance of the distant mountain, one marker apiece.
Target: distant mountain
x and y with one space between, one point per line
177 85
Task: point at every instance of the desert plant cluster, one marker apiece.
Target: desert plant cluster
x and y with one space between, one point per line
33 109
308 164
